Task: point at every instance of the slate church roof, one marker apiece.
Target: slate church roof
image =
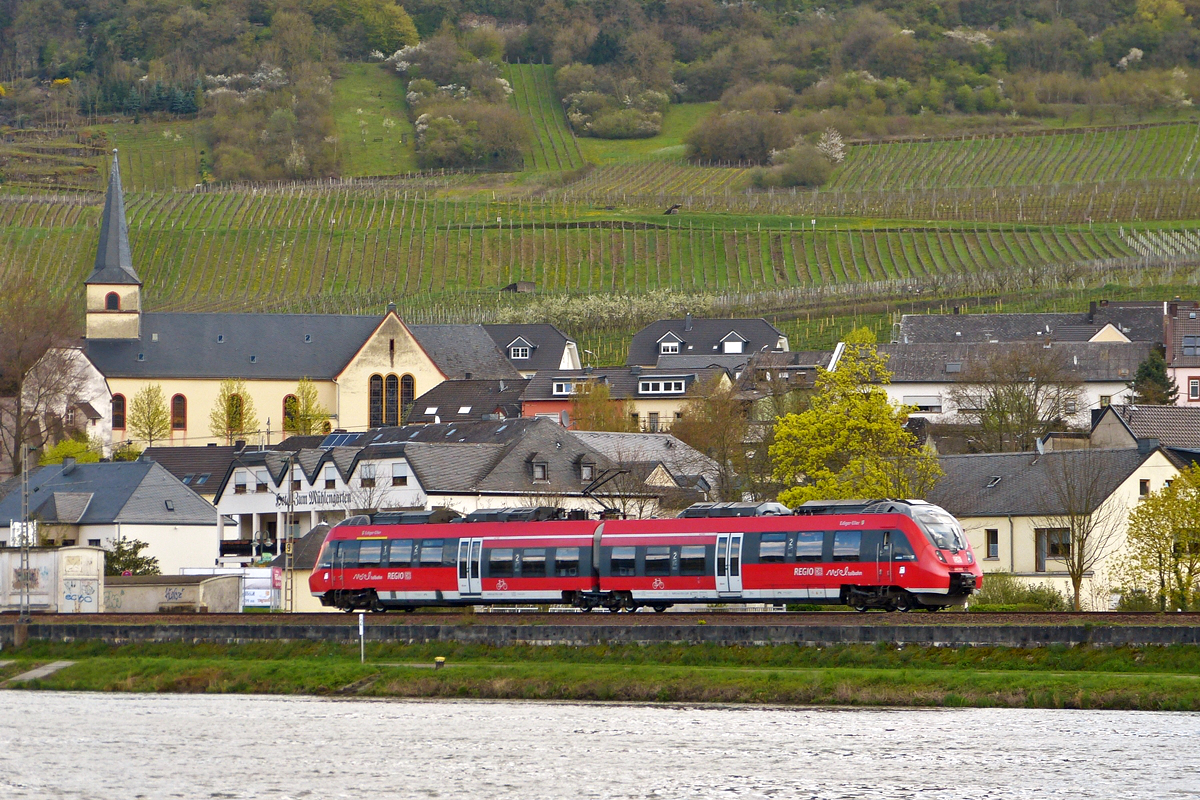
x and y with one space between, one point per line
114 259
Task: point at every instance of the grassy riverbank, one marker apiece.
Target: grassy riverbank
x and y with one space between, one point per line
1166 678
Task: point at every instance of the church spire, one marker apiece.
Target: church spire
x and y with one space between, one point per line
114 260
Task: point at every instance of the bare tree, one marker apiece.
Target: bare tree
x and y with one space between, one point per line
39 372
1082 520
1017 394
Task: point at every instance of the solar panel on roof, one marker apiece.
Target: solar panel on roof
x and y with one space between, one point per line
338 440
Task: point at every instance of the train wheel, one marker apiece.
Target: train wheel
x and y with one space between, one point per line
905 602
860 609
659 608
409 609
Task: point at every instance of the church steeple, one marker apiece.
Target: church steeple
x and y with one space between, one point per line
114 260
114 301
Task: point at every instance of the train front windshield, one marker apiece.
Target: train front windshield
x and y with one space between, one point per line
941 528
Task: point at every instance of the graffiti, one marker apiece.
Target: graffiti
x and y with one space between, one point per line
172 593
25 578
113 599
81 593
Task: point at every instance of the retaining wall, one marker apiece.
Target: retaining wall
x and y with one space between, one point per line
584 635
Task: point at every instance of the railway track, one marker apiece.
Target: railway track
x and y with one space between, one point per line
600 619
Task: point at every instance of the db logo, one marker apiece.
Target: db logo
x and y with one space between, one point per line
658 583
501 585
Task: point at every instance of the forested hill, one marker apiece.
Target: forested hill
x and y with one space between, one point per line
261 70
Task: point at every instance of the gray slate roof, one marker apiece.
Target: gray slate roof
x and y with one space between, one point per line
1172 426
622 381
283 346
189 464
546 341
702 337
1087 361
1024 478
114 259
478 397
684 462
304 550
106 493
1140 322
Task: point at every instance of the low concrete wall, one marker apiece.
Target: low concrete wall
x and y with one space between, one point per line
584 635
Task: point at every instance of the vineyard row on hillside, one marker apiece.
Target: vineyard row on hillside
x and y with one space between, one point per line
203 252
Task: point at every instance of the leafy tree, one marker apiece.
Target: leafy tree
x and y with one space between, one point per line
303 414
233 414
148 417
1161 558
126 556
1016 395
1152 386
83 451
851 441
715 423
594 409
127 452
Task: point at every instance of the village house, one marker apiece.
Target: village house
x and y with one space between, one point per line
1017 509
657 397
98 504
720 342
463 466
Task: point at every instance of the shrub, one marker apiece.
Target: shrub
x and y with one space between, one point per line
740 136
471 135
761 97
1003 589
628 123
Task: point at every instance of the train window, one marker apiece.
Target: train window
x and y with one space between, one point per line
624 561
431 553
566 562
691 560
325 559
846 545
772 548
401 555
449 552
658 560
809 545
500 563
902 550
347 555
533 563
370 554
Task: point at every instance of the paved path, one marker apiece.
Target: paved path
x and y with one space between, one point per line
41 672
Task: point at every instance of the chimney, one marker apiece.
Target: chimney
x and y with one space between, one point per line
212 444
1146 446
635 370
1173 309
956 311
391 308
68 465
687 321
1091 311
240 445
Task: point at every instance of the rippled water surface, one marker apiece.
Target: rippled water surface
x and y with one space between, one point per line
95 746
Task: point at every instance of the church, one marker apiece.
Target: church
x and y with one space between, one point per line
367 370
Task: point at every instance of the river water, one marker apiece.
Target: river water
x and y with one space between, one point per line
102 746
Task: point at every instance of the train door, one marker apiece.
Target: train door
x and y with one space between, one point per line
883 560
470 553
729 563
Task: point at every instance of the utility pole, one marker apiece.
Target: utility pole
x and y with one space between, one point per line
289 598
23 617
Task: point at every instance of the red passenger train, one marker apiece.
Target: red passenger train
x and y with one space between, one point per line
892 555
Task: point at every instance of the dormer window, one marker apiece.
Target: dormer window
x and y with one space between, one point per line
563 388
587 472
519 352
733 346
673 386
668 348
541 471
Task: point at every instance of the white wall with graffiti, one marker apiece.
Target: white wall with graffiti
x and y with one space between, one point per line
66 580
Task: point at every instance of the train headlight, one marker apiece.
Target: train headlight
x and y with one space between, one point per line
970 558
941 557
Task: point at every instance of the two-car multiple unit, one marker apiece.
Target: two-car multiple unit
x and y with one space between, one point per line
894 555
